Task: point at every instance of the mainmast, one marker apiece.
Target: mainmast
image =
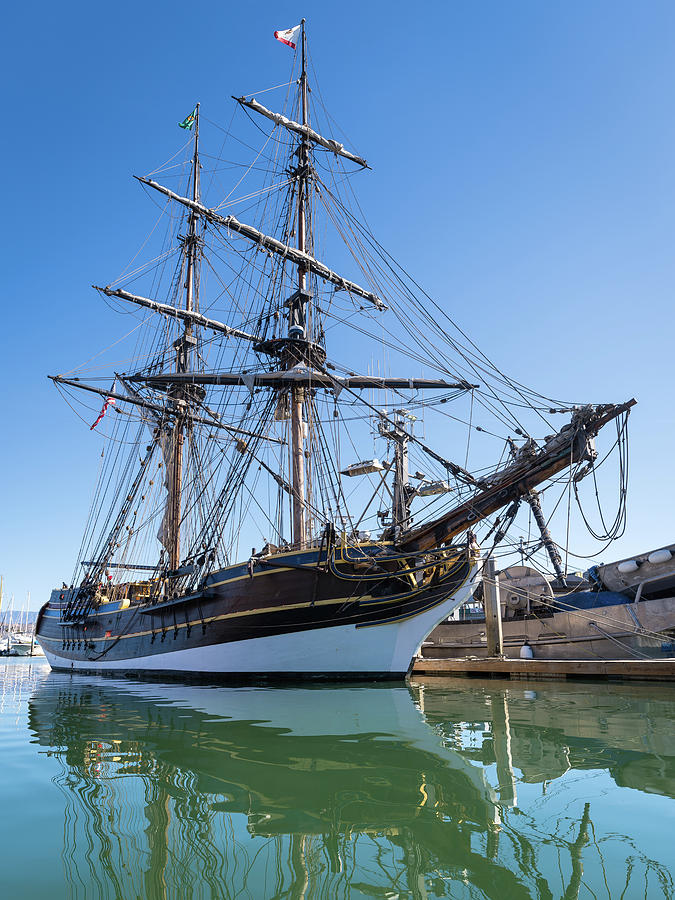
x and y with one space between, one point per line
184 346
297 322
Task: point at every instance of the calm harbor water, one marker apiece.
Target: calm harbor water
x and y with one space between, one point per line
441 788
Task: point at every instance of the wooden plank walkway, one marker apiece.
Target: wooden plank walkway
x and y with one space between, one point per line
632 669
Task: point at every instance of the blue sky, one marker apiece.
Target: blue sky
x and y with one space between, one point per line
523 161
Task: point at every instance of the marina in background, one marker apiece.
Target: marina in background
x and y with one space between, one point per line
17 628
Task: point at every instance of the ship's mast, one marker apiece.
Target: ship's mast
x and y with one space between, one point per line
184 346
297 322
401 494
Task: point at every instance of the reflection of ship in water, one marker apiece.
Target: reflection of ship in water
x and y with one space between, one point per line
626 729
341 788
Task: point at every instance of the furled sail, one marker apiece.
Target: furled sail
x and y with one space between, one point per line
300 377
299 257
304 130
186 315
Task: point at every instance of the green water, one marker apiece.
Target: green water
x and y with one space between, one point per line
442 788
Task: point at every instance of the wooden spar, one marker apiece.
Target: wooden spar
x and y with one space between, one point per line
302 378
153 407
298 315
156 408
214 420
269 243
131 567
304 130
570 445
175 490
320 380
132 392
176 313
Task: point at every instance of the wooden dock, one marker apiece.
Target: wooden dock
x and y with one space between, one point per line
496 667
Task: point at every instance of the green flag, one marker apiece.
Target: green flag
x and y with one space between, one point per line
189 121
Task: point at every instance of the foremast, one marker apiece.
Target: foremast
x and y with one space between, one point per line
184 352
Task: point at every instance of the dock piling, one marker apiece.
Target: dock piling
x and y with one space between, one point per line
493 618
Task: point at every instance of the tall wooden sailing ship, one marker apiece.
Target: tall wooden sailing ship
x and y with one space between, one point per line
237 425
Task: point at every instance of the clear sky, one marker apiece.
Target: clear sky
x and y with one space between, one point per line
523 161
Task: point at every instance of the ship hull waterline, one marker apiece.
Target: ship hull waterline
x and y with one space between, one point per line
275 624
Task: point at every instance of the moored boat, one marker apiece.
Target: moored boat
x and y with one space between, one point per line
619 610
235 428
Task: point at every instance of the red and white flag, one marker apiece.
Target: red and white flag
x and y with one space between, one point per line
109 401
289 37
